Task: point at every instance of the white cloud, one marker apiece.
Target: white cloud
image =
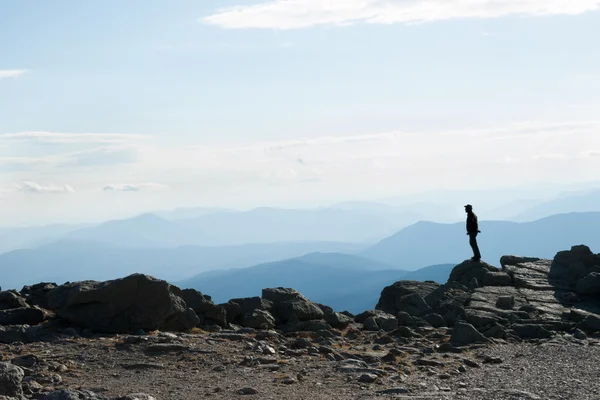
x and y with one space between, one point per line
135 187
73 138
106 156
33 187
296 14
377 164
11 73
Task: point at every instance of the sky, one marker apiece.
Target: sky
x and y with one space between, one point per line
109 108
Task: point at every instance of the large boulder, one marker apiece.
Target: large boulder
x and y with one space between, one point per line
464 334
11 378
22 316
393 300
289 306
337 320
123 305
14 333
11 299
258 319
204 307
248 304
589 285
485 274
572 265
37 295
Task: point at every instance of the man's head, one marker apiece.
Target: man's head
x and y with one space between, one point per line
468 208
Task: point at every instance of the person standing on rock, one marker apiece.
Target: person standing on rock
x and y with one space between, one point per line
472 231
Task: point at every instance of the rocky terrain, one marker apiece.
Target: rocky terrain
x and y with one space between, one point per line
529 330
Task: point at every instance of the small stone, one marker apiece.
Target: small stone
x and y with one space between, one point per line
367 378
138 396
492 360
398 390
471 363
579 334
302 343
288 381
247 390
27 361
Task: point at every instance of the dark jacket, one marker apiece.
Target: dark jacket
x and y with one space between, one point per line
472 224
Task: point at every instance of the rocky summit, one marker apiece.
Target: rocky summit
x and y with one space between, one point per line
527 330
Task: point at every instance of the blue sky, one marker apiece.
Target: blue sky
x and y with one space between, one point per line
127 106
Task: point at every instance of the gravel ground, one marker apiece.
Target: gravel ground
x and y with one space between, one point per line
204 366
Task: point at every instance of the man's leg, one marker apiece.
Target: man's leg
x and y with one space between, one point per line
474 246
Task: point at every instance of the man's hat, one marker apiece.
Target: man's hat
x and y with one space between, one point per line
468 206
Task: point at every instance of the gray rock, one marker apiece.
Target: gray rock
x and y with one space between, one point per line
590 323
367 378
499 278
463 334
280 295
496 331
473 283
137 396
389 299
405 332
404 319
506 302
574 264
22 316
589 285
515 260
26 361
297 310
123 305
435 320
37 295
413 304
164 348
14 333
531 331
232 311
465 271
579 334
247 390
204 306
381 321
398 390
249 304
258 319
73 395
11 299
337 320
11 378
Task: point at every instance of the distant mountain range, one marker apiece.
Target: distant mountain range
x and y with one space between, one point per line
355 221
113 249
35 236
341 281
72 261
221 228
580 201
428 243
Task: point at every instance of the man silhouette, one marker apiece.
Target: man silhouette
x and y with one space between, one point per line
472 231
